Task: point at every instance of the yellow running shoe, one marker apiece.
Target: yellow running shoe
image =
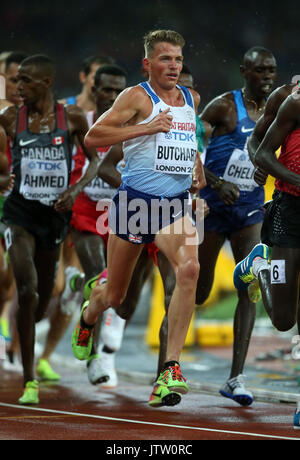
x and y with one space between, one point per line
45 371
93 282
162 396
31 393
254 292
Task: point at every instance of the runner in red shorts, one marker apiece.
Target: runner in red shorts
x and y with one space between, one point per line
89 243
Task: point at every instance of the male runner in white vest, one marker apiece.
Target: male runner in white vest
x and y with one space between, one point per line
156 121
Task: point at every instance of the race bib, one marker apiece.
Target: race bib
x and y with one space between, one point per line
175 152
278 272
43 180
240 171
97 188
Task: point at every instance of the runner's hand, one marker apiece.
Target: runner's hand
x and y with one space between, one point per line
161 123
260 176
66 201
229 193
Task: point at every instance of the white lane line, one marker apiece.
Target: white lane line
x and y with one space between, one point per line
139 422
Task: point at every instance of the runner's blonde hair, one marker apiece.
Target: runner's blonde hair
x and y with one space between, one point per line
161 35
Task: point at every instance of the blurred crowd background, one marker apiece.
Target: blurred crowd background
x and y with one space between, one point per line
217 33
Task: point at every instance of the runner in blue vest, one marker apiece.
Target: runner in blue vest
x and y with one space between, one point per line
38 210
234 198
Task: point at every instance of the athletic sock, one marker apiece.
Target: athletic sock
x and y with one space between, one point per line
259 264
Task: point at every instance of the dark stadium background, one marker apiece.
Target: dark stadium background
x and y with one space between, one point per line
217 34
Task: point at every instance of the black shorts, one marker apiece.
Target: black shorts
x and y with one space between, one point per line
48 227
281 225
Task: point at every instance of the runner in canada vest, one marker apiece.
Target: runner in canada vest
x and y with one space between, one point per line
41 162
38 211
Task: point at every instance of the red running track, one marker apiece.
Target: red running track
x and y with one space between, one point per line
74 410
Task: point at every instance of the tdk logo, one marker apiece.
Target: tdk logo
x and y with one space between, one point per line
45 166
187 137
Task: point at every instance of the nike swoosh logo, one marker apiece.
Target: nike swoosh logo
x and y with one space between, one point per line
246 130
252 212
23 143
175 215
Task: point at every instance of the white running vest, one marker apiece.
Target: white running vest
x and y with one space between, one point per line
161 164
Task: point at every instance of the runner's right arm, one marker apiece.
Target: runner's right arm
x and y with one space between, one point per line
119 123
262 125
286 121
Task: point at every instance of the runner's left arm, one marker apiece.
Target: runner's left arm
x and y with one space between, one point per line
78 128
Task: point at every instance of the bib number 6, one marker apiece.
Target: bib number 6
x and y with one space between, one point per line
278 272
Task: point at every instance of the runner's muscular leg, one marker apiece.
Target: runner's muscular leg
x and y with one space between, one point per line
46 263
140 274
181 249
91 251
122 257
281 299
208 253
21 255
242 243
6 280
169 281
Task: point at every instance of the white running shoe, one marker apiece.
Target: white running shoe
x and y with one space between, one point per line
13 365
108 366
70 299
95 371
112 329
235 389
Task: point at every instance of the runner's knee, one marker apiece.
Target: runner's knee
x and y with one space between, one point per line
188 272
